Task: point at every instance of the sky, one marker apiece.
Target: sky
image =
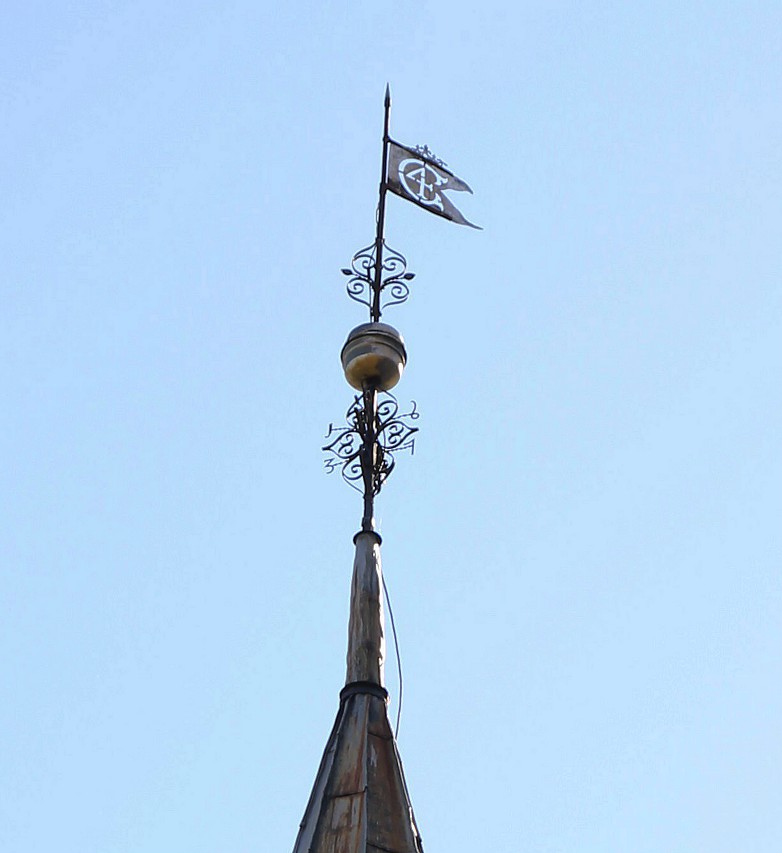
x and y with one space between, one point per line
583 554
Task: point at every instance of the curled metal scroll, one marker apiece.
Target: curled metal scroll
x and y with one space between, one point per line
394 276
394 432
426 152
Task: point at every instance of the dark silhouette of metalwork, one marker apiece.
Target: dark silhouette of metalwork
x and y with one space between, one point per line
374 356
363 282
393 432
364 450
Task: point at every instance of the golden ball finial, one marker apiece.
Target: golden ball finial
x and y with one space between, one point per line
374 355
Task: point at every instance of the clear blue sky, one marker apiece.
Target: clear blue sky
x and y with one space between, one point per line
584 552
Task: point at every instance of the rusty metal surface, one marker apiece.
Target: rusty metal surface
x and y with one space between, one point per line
359 802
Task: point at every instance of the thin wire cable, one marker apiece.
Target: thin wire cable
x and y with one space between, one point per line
398 657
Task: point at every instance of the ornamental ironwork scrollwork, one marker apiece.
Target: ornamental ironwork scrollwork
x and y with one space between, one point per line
393 432
426 152
393 280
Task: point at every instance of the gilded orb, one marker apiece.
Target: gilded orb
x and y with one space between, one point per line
374 355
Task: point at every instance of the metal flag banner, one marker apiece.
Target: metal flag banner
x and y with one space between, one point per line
417 175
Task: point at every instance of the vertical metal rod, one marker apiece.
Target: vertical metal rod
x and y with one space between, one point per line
368 457
381 216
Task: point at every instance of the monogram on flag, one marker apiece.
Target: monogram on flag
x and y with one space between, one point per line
417 175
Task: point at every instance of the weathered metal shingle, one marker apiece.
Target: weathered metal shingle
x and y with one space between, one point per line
359 802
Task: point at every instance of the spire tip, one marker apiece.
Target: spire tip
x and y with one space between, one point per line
388 95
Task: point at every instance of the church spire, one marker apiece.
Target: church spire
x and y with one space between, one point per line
359 802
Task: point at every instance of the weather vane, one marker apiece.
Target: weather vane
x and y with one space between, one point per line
374 354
